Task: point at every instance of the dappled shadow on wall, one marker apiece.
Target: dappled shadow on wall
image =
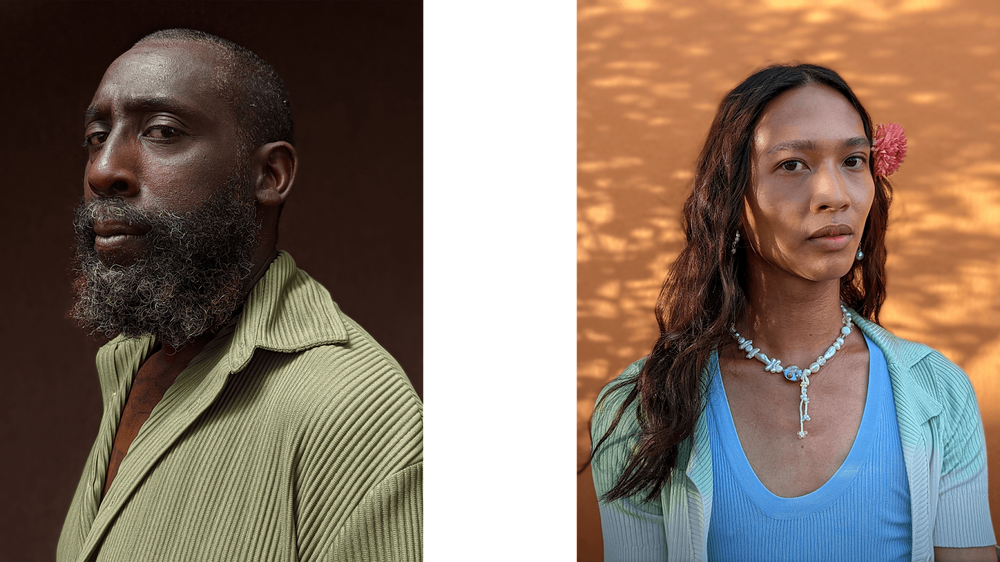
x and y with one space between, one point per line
650 76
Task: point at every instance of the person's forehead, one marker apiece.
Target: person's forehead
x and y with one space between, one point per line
185 71
813 111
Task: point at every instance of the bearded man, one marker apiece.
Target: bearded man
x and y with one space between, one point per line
245 417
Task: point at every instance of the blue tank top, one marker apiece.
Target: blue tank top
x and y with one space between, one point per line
861 513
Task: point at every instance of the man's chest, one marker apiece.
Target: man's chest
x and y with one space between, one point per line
151 382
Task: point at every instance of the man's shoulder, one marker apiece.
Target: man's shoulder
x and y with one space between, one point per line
346 403
355 369
294 322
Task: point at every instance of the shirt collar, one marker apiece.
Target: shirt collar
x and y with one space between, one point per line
903 352
916 394
273 317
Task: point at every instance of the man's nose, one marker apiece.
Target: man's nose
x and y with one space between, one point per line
111 171
830 189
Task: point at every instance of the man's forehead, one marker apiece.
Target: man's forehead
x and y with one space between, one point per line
162 70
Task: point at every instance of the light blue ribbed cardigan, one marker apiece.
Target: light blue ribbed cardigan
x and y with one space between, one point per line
944 449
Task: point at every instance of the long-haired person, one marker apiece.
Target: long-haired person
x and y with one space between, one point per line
774 419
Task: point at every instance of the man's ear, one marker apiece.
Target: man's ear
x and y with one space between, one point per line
275 164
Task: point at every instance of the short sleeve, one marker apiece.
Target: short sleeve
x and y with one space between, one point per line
963 514
633 530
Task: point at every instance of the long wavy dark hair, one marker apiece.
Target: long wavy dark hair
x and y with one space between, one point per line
706 287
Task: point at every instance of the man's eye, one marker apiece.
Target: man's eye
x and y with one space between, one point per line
162 132
95 139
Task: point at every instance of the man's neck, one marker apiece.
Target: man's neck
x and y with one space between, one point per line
182 353
263 261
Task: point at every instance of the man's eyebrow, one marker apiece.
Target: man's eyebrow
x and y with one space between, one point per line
91 112
852 142
141 104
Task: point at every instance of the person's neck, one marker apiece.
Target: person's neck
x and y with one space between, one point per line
183 353
790 318
262 261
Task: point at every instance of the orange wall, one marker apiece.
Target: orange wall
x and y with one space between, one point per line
650 76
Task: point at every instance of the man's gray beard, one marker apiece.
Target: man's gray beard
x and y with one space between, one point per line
190 278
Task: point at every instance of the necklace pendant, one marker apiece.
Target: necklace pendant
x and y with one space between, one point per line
793 373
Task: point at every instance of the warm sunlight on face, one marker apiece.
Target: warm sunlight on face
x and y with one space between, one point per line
812 188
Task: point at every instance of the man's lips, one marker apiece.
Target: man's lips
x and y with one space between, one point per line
111 228
118 242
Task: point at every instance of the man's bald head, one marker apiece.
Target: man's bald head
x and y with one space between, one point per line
250 86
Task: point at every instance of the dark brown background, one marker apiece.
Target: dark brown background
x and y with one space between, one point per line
353 222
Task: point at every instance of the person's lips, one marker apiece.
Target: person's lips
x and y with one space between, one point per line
833 237
109 228
832 230
117 241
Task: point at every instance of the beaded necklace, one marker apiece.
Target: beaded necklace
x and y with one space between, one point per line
793 373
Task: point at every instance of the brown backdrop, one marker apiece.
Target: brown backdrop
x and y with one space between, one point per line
650 76
353 222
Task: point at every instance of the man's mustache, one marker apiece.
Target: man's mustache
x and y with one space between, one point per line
114 208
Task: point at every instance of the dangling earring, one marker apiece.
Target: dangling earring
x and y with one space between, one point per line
736 241
859 255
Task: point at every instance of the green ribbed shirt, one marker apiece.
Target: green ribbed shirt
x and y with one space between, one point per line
292 436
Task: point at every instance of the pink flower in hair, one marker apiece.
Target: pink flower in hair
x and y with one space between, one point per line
888 148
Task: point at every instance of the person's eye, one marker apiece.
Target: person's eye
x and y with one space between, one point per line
792 166
855 161
162 132
95 139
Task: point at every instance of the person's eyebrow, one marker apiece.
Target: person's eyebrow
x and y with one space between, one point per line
856 142
793 145
853 142
141 104
91 113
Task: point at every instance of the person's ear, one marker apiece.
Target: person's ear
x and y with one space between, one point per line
275 163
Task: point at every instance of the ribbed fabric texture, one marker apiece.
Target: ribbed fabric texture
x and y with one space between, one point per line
943 445
861 513
291 436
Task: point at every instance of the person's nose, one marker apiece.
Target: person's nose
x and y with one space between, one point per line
830 189
111 170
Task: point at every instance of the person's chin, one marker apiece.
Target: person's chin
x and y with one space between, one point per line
121 249
834 271
822 269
